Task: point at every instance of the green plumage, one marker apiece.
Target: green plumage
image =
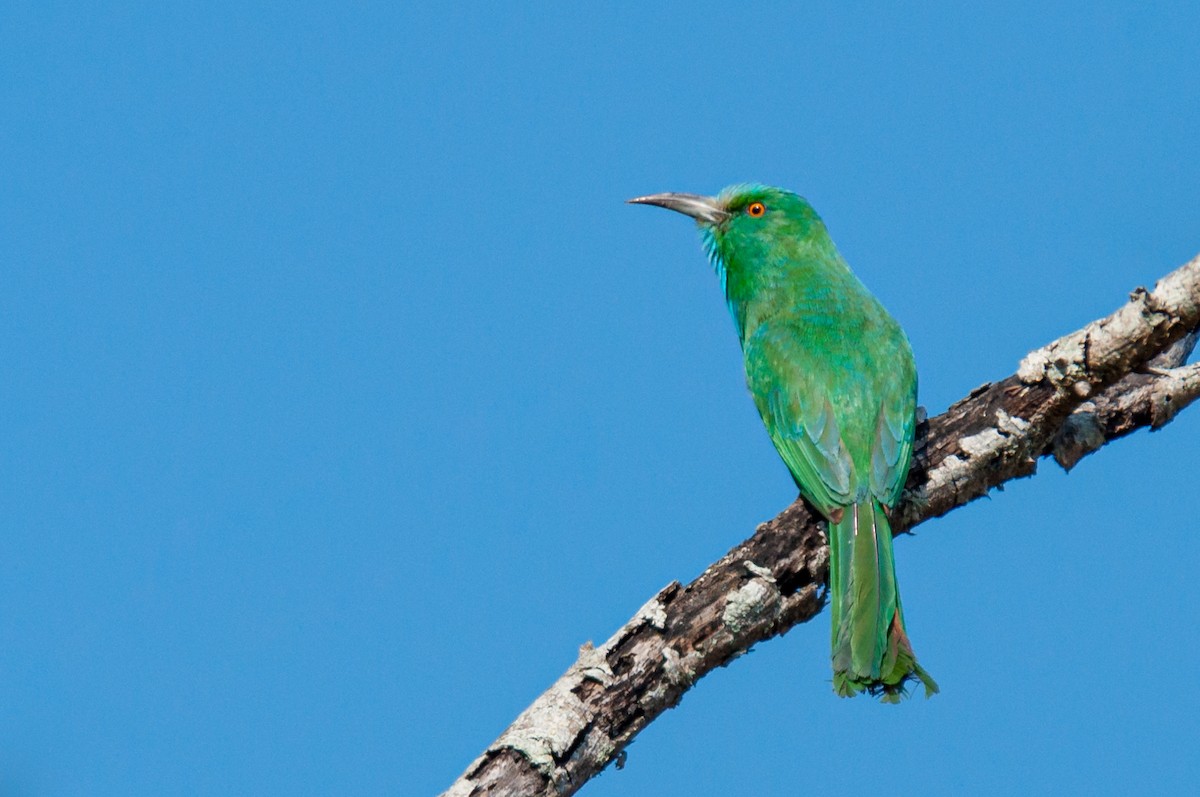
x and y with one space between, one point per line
833 377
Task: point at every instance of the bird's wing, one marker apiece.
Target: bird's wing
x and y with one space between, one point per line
891 452
791 391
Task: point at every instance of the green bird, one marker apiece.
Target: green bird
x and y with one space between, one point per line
833 377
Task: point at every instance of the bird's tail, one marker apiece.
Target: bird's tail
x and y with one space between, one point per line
871 651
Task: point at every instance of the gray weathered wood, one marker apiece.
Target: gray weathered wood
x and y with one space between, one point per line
1118 374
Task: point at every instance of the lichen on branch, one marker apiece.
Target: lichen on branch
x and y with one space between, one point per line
1118 374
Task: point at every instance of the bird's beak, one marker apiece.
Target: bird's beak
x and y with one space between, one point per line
704 209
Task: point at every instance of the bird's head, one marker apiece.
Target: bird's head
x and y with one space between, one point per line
746 220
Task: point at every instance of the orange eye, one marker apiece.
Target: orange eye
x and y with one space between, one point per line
755 209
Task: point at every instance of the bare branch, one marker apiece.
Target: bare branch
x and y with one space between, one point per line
1151 398
1067 399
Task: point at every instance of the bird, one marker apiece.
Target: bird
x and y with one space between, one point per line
832 374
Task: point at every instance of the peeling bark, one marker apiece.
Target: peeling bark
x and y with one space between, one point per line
1150 398
1118 374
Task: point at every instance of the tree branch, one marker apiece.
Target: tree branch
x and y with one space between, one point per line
1115 375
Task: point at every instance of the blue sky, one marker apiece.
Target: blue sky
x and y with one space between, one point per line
344 398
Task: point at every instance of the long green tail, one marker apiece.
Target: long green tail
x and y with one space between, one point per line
871 651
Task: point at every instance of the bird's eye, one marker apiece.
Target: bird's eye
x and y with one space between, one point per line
755 209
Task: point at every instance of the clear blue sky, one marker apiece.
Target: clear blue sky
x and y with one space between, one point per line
343 398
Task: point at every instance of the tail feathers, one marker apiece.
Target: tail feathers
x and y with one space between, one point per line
871 651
